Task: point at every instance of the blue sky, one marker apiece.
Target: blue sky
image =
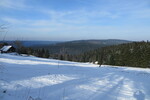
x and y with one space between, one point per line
60 20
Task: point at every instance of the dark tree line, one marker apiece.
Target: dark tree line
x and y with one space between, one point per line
44 53
136 54
20 49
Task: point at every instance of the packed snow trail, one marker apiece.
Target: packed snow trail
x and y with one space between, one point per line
32 78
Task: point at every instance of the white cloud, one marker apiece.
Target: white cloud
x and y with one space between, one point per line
11 20
13 4
85 21
78 16
144 13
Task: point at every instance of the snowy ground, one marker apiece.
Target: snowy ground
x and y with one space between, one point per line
32 78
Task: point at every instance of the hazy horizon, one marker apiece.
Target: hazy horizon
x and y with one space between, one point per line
67 20
73 40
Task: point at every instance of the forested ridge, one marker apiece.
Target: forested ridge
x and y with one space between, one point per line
79 46
136 54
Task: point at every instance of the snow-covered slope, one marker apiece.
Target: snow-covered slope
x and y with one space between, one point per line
32 78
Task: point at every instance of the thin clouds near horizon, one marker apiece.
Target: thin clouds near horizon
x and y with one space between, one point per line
77 19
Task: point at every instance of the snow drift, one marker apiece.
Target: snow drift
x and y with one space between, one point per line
32 78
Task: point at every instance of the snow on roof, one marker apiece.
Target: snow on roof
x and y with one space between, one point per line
5 48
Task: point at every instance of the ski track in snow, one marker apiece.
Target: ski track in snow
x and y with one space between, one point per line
32 78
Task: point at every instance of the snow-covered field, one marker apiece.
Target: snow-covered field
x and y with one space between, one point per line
32 78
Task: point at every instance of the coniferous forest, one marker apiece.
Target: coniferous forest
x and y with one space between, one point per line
136 54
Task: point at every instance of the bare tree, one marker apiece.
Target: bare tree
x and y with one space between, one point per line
3 30
3 27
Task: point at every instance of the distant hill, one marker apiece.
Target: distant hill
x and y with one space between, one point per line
80 46
33 43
